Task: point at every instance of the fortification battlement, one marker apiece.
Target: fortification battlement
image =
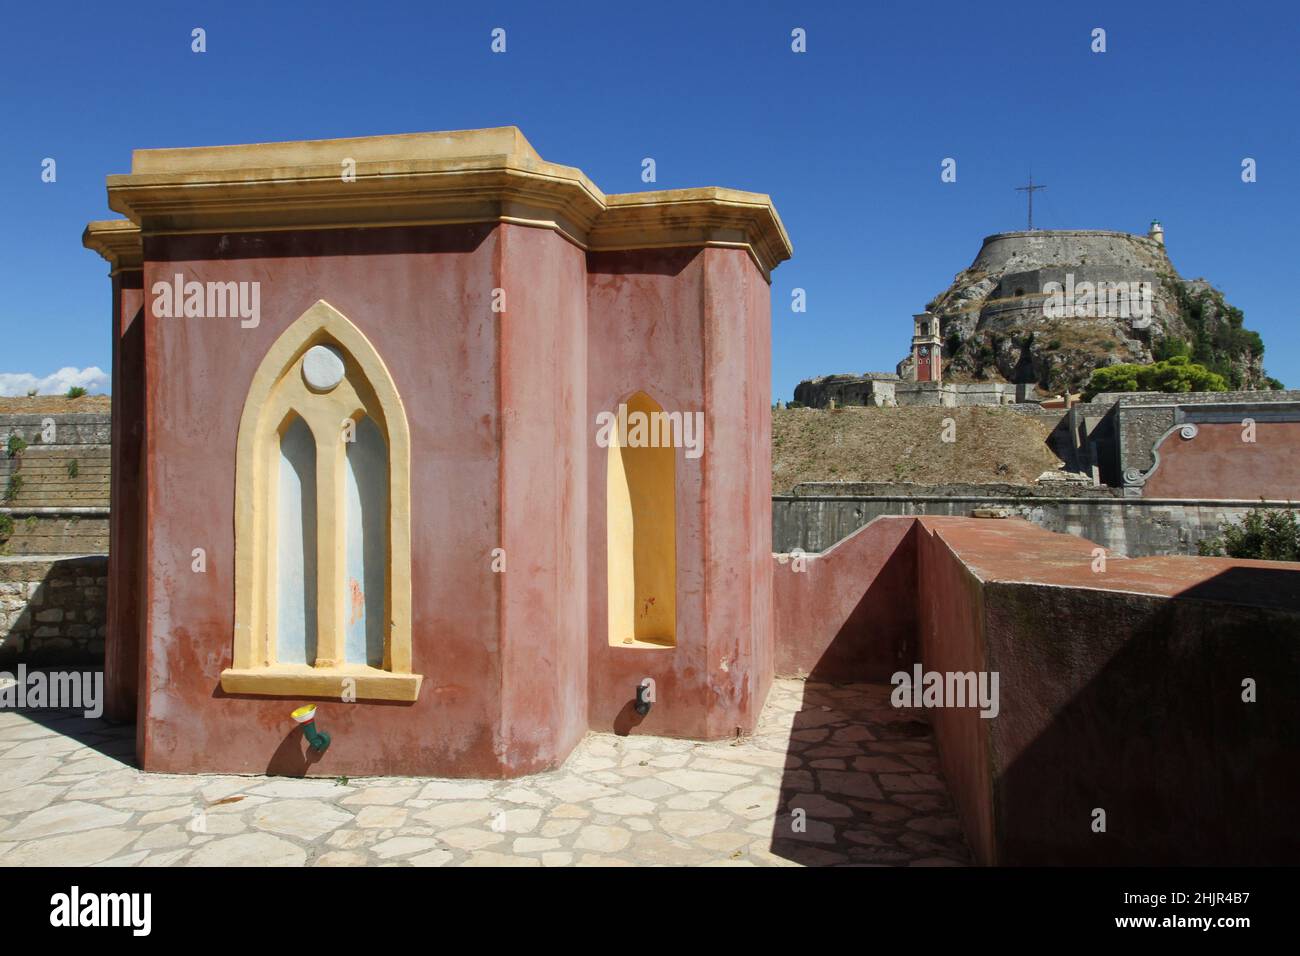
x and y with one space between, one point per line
1004 251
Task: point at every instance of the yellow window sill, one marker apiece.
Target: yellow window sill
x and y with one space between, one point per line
665 644
299 680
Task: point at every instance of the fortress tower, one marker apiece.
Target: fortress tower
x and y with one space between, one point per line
926 348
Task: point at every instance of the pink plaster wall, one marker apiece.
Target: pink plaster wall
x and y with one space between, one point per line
950 633
422 296
1218 464
543 362
851 614
501 410
1120 689
690 328
126 493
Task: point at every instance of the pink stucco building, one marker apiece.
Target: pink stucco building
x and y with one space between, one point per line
486 577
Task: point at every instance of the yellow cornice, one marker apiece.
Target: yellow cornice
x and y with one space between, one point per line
490 175
710 216
118 241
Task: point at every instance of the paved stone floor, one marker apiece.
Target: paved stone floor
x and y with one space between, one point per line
833 775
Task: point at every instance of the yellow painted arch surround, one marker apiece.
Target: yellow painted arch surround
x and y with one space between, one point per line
641 538
276 392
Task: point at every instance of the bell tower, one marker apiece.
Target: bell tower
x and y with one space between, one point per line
926 348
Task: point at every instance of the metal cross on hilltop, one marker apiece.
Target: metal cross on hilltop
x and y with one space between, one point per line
1030 189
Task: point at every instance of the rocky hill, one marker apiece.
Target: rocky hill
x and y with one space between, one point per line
1010 315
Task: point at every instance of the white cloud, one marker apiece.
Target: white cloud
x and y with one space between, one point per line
92 379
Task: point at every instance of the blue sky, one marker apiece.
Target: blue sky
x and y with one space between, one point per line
847 138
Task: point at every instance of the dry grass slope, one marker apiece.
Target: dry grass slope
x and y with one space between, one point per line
54 404
905 444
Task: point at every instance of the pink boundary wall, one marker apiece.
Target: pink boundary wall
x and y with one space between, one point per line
850 614
1120 689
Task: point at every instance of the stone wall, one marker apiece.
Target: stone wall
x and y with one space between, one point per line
1196 398
1012 252
1141 422
883 389
959 394
38 534
54 544
52 610
1134 527
56 492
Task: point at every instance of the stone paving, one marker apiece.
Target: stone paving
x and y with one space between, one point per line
833 775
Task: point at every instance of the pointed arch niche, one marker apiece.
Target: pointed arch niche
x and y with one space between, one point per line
322 521
641 534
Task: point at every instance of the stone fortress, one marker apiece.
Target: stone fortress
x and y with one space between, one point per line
1037 311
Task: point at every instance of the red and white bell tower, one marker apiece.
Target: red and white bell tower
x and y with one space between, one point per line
927 351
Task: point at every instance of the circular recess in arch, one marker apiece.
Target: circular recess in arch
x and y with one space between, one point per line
322 368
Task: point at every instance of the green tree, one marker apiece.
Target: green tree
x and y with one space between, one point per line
1175 374
1266 534
1169 347
1112 378
1179 374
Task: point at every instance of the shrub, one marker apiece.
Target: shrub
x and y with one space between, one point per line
1174 374
6 527
76 391
13 487
1168 348
73 469
1266 534
16 445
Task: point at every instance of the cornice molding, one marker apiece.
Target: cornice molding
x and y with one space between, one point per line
491 175
118 241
